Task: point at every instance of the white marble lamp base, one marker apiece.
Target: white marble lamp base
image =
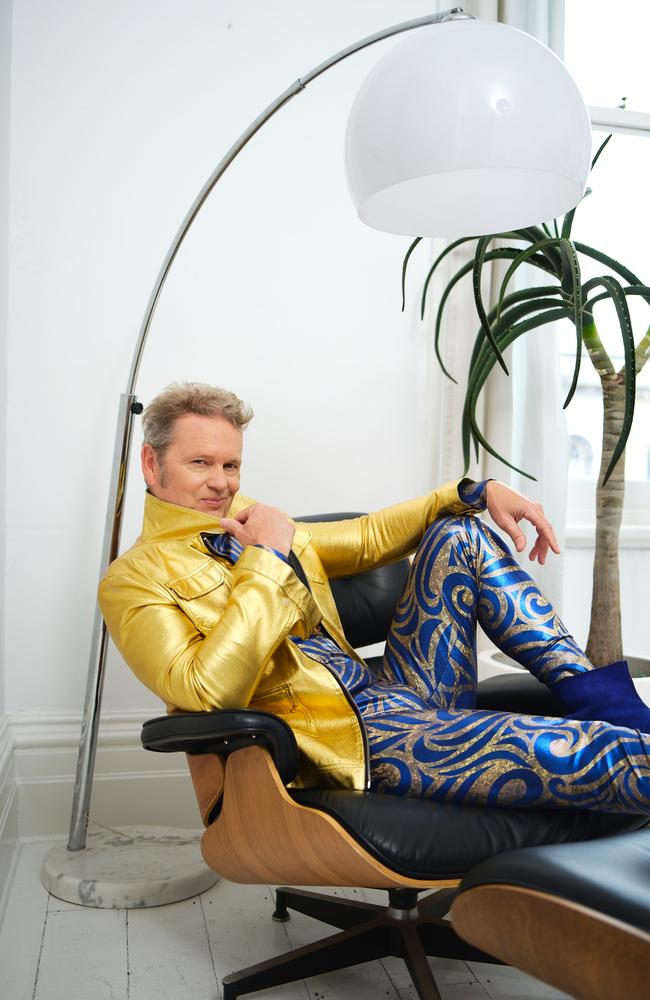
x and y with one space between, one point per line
133 866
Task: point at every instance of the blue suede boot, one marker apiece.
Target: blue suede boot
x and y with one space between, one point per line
606 694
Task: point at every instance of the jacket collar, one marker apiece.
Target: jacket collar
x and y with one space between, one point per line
163 520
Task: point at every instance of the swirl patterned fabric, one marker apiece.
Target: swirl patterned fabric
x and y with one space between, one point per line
425 737
445 750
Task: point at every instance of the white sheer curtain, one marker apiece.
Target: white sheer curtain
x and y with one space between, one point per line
521 415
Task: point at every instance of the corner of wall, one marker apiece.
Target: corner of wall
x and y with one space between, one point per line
6 18
8 790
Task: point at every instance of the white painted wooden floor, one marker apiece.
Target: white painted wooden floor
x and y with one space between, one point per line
51 950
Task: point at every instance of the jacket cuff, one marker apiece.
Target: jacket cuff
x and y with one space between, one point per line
473 494
450 500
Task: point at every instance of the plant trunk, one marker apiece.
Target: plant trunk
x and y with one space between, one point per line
605 643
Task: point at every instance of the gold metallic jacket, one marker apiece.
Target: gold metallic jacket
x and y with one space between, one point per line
204 634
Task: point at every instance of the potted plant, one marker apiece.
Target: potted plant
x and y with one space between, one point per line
563 294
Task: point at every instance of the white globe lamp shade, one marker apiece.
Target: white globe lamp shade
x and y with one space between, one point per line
467 128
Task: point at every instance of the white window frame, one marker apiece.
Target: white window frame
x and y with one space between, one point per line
620 120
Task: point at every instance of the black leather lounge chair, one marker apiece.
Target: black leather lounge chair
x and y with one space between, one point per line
263 831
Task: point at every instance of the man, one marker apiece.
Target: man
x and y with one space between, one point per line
225 603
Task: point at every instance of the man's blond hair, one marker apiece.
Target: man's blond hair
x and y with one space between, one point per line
190 397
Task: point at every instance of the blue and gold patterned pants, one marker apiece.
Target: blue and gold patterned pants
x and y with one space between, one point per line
427 739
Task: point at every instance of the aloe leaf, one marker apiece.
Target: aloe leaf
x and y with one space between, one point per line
535 291
479 258
599 150
522 295
452 246
483 360
441 257
441 305
410 250
522 257
567 223
628 417
617 296
609 262
573 286
480 439
501 253
642 290
465 269
482 368
536 234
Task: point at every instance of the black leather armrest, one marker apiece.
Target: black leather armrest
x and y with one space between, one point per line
223 732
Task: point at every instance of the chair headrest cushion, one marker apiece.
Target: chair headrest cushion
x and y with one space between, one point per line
366 601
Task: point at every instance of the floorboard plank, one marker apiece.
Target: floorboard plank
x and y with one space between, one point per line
21 934
451 991
74 953
502 982
169 954
363 982
84 956
242 933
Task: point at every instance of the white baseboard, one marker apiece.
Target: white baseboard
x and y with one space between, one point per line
131 786
9 845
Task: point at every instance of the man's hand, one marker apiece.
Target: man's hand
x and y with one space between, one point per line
261 525
507 508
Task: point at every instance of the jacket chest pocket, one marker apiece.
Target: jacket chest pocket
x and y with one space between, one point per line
202 595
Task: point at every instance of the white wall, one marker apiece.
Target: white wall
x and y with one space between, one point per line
5 100
119 113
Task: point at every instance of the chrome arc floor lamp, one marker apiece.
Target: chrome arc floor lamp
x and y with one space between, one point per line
466 126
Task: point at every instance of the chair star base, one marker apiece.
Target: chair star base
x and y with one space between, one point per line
405 929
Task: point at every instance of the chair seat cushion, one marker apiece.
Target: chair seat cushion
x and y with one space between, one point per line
520 693
611 876
427 840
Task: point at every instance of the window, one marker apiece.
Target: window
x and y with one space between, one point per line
605 51
581 458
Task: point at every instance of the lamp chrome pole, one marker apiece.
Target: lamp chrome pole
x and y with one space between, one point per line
129 407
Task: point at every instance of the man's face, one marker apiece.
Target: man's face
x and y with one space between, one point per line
201 466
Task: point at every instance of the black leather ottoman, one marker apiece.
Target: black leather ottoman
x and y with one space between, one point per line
574 915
